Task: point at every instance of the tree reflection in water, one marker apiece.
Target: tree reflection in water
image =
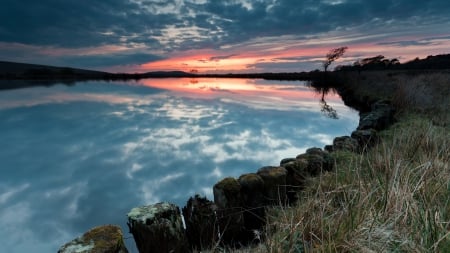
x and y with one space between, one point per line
323 89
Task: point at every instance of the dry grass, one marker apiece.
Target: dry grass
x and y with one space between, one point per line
395 198
426 93
409 91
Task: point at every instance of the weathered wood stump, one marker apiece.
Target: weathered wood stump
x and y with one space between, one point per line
158 228
102 239
318 161
227 196
252 188
379 117
297 171
200 219
274 184
365 138
345 143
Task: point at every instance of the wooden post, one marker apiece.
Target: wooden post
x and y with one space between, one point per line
227 196
252 188
158 228
200 219
274 184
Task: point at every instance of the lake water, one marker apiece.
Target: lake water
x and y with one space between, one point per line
74 157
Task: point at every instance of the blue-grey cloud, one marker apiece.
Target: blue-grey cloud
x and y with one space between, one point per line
221 57
106 60
407 43
423 42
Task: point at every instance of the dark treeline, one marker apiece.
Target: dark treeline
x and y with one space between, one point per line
32 72
21 71
379 62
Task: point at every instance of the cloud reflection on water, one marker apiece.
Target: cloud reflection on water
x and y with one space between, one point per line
84 155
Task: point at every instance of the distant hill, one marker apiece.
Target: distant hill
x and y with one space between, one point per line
14 70
25 71
168 74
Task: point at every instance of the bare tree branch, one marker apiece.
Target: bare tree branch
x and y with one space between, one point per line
333 55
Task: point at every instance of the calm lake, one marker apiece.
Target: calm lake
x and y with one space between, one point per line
74 157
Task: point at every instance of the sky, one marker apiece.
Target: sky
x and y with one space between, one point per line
218 36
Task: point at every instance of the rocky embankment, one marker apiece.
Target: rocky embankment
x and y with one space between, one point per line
236 217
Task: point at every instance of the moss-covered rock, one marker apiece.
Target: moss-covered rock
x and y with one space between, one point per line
102 239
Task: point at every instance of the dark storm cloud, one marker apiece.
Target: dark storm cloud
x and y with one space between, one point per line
309 17
83 23
74 23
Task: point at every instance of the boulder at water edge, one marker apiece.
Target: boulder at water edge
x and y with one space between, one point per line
102 239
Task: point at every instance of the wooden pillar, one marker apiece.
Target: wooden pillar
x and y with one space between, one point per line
274 184
227 196
158 228
200 219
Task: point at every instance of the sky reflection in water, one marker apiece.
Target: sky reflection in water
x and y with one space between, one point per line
81 156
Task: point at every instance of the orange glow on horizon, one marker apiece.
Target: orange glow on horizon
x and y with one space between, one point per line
217 87
209 61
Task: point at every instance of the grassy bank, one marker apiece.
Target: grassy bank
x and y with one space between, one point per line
392 198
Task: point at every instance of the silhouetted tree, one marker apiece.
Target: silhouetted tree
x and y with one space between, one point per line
333 55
